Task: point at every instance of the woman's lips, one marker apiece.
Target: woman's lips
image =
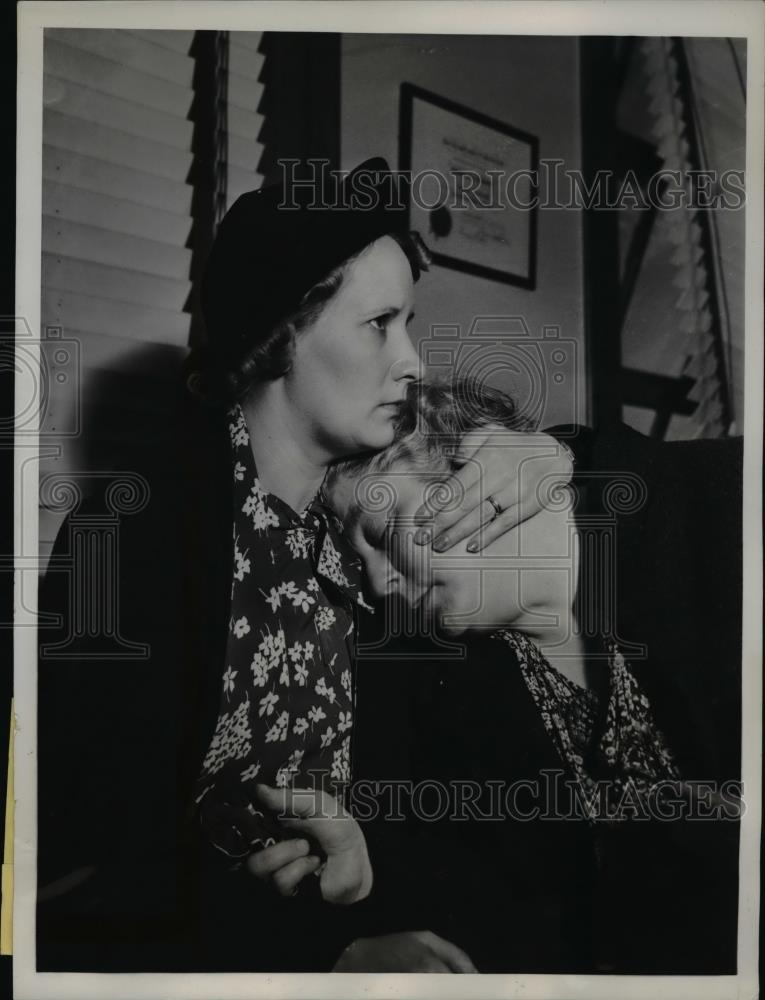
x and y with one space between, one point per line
422 602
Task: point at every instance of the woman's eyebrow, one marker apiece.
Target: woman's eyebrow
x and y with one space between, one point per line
387 311
352 518
381 311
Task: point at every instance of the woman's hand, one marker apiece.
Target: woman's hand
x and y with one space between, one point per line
345 877
508 466
412 951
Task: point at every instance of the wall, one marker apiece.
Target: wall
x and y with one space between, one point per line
530 83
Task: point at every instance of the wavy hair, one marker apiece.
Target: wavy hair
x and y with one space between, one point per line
434 417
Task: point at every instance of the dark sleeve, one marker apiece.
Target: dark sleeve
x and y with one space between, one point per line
111 888
578 438
435 727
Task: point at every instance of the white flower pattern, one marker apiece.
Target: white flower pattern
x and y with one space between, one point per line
630 744
287 687
325 619
241 627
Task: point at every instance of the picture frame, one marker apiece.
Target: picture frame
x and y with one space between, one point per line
441 141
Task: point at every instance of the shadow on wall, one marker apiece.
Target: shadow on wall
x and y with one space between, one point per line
128 412
126 420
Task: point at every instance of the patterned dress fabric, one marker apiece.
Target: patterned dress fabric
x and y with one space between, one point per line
287 691
612 740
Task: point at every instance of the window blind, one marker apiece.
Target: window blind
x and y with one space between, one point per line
116 220
245 89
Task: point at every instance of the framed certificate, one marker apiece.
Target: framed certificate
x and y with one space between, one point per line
473 187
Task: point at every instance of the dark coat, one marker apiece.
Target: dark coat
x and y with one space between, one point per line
125 885
643 897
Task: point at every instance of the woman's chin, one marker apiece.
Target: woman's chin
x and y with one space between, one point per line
448 628
375 438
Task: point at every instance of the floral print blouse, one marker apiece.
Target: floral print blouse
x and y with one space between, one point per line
609 743
287 691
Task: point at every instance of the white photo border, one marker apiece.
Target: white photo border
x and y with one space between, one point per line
739 18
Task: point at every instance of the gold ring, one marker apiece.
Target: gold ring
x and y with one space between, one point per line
496 506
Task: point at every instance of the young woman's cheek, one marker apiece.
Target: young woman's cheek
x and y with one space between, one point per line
407 558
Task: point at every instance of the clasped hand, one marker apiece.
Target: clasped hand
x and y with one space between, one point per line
345 876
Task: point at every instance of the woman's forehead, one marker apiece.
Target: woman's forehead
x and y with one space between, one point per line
398 492
380 277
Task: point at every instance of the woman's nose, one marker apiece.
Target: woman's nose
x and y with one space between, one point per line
379 576
407 364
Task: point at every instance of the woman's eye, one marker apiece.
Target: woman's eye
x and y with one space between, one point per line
379 323
376 535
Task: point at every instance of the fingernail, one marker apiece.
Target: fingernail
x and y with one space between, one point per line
302 845
472 547
441 543
422 536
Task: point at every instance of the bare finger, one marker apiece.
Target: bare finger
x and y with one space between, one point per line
264 863
448 493
432 963
293 803
286 880
473 441
468 509
473 522
507 521
454 958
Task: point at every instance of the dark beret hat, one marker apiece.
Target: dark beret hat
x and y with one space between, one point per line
276 243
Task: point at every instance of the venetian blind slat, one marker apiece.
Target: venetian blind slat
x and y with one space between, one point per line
243 153
175 41
244 122
72 239
89 312
82 66
106 212
126 116
243 60
91 174
240 181
116 283
243 92
130 50
89 139
247 40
